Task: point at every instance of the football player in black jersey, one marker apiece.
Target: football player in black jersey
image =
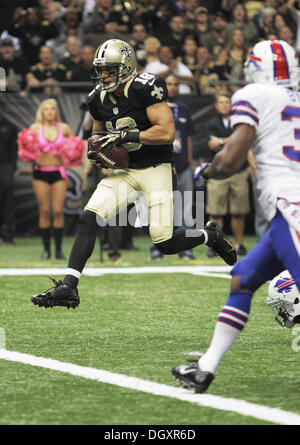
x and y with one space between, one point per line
132 111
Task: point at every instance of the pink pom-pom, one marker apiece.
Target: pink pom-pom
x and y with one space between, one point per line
71 151
28 145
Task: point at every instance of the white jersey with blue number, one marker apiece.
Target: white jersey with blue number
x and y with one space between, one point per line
274 111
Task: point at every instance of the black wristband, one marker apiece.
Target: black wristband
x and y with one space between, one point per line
131 136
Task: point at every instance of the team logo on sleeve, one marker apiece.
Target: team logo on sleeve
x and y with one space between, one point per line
157 92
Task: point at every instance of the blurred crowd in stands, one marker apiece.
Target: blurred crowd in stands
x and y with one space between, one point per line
48 46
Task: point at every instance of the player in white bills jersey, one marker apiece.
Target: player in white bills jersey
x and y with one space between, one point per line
274 113
265 115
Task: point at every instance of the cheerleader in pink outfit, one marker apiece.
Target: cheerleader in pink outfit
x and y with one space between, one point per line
45 148
49 175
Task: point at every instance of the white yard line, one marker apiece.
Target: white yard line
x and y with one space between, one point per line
210 271
241 407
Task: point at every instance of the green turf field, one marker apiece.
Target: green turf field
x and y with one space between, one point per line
139 325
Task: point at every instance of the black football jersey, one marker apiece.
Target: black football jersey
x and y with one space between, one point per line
129 111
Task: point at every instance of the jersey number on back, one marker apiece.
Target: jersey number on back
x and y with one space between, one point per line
289 151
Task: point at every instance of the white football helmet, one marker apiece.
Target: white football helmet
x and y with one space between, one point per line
284 298
273 62
116 54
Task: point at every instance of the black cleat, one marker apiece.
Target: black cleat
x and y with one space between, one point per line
191 377
221 244
59 295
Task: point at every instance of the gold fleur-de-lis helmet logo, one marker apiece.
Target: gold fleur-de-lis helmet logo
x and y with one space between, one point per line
126 51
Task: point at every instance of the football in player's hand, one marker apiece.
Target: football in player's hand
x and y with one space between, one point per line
116 157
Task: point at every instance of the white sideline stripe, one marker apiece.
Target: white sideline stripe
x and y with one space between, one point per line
98 271
242 407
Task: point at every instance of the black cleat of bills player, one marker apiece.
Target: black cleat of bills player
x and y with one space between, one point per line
192 377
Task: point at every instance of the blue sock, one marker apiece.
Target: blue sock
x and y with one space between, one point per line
236 310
